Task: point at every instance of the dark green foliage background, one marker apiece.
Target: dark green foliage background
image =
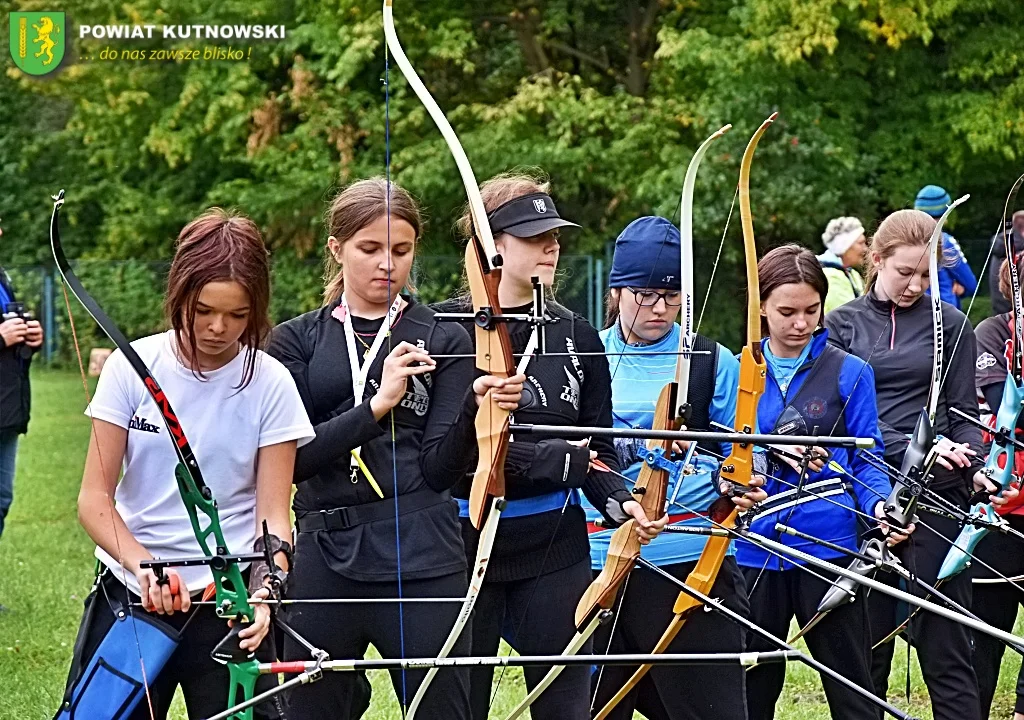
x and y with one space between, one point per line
876 98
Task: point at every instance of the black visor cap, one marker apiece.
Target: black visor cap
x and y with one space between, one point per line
527 216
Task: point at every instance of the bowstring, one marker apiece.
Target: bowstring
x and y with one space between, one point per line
618 361
110 502
403 701
718 256
518 627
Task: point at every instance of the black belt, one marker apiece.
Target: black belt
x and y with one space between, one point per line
346 517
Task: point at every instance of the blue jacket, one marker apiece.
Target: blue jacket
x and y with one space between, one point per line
959 272
828 519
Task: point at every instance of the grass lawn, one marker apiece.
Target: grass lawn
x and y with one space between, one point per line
46 568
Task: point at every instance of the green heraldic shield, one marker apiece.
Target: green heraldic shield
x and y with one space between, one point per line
37 41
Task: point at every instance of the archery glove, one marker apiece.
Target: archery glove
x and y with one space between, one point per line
552 462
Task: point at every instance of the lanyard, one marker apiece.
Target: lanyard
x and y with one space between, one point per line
359 373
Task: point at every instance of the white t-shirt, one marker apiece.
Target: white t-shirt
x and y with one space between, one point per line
225 426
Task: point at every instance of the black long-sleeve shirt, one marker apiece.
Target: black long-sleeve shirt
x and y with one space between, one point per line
897 343
568 386
430 449
994 346
15 390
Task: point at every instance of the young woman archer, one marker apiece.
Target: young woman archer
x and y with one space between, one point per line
241 409
817 388
539 566
373 511
890 327
642 336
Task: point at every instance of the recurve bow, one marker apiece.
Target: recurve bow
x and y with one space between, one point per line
738 466
999 465
493 354
232 596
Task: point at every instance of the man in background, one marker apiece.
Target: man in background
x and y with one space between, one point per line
955 276
21 336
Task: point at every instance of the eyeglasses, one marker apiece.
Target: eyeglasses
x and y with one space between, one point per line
649 298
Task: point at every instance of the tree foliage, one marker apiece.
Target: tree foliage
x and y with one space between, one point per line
877 98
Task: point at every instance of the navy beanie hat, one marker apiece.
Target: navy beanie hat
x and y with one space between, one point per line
933 200
647 255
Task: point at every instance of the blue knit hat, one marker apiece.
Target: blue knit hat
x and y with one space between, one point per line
933 200
647 255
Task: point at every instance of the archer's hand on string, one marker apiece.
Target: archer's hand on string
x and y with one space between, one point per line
404 361
164 595
505 391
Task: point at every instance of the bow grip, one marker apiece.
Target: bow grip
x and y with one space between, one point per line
914 471
999 465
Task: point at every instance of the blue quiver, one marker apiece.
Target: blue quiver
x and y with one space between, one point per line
113 681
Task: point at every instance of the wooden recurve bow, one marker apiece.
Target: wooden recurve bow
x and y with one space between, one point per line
738 466
493 355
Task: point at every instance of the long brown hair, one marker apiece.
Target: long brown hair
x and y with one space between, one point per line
904 227
1005 286
790 265
219 246
355 207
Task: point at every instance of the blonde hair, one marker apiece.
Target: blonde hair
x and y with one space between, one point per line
355 207
903 228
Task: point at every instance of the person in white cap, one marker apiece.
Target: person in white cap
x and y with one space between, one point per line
845 249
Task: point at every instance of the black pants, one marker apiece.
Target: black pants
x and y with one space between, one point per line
943 646
839 641
675 692
997 605
203 681
345 631
536 617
